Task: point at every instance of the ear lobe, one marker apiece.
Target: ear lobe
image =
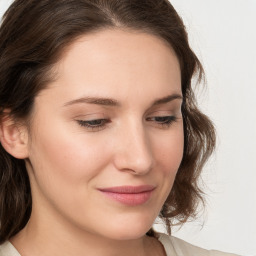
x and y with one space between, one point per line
13 137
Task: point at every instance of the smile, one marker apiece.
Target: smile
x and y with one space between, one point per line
129 195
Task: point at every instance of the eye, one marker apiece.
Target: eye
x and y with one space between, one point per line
163 121
95 124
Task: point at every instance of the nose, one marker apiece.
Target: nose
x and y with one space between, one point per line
133 151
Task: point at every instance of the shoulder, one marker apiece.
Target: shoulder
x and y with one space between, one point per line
183 248
7 249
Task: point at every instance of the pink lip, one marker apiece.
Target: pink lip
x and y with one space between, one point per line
129 195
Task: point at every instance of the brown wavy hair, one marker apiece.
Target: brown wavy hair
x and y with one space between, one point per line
34 33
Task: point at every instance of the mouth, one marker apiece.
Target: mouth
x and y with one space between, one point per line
129 195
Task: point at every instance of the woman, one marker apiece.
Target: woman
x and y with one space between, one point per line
100 132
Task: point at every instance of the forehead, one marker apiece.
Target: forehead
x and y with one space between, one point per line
119 62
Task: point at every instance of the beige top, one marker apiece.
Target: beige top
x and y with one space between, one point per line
173 247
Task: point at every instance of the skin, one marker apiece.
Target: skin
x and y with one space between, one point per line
67 162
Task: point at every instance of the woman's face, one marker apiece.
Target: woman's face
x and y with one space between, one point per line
106 138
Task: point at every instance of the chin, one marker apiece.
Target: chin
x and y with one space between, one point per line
130 229
125 234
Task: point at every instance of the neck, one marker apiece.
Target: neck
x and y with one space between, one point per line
58 238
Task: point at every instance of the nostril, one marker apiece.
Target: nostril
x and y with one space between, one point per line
133 151
137 162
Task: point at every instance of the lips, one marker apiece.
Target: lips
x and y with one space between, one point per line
129 195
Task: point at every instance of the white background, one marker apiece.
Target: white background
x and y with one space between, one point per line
223 35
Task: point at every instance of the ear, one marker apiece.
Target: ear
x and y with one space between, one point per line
13 137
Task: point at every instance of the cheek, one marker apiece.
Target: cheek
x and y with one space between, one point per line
66 156
64 167
169 152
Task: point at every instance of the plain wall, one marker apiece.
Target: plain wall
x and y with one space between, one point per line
223 35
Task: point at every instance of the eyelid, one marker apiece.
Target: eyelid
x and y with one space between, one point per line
101 124
92 116
167 117
97 121
165 121
164 112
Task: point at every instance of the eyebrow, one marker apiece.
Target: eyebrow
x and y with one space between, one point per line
113 102
167 99
94 100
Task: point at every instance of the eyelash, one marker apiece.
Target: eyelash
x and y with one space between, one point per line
165 121
96 124
99 124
